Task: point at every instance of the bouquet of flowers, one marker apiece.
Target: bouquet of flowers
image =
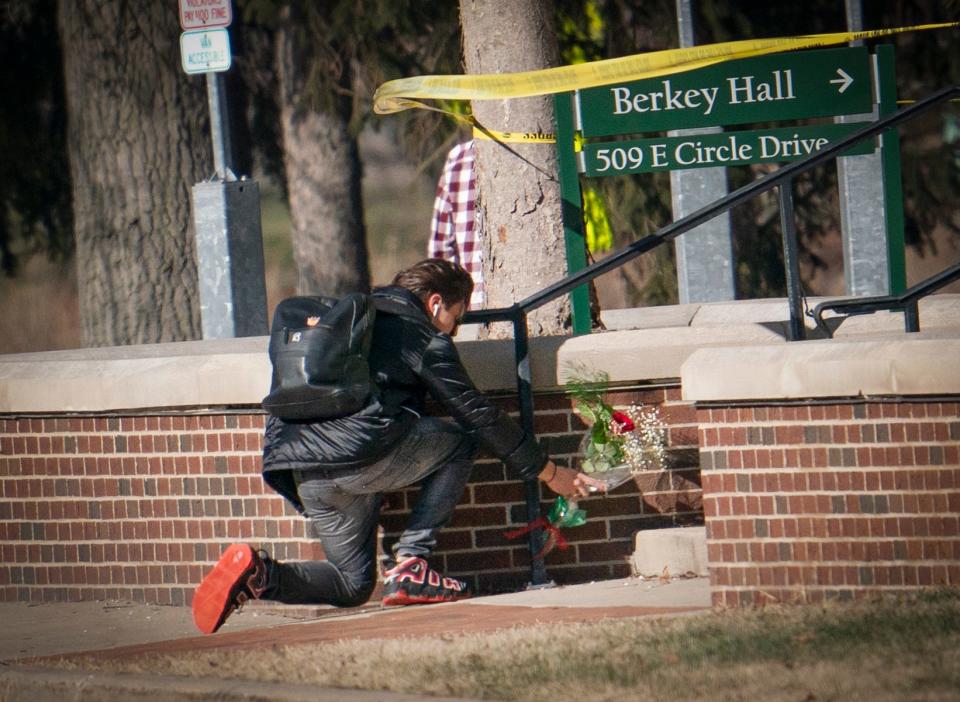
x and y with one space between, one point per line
630 441
619 445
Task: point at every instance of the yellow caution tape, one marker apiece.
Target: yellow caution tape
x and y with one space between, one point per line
596 225
481 132
515 137
398 95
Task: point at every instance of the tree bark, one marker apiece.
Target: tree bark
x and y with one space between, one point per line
519 207
323 171
138 140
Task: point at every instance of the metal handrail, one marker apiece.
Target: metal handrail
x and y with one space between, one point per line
781 178
905 301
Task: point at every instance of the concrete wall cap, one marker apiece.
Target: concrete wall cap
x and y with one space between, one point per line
237 371
648 354
909 364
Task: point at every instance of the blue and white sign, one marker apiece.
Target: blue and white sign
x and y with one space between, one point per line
205 51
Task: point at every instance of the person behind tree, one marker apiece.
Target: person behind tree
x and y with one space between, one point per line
456 231
455 234
335 471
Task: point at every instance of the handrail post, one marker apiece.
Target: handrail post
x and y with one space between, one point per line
911 316
531 488
791 261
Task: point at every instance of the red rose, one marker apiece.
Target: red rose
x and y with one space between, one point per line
622 423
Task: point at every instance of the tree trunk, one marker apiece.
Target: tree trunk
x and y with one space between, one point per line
518 207
138 140
323 173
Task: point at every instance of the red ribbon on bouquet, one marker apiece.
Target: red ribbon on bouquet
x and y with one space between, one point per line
554 536
562 514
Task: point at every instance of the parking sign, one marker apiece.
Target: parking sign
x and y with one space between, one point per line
205 51
205 14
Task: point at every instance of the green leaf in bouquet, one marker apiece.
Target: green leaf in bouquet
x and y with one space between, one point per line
618 454
594 465
612 453
598 464
598 432
587 413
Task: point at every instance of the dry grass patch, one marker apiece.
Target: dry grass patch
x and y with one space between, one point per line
878 650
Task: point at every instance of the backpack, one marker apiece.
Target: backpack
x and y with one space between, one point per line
319 348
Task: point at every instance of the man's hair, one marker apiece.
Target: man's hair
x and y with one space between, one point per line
436 275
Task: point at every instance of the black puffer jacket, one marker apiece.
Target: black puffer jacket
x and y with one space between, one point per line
409 359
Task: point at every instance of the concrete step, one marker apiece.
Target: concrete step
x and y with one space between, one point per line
671 552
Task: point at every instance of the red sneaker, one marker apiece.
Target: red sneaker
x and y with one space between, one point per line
238 576
412 581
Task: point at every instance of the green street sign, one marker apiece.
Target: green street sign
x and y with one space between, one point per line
788 86
737 148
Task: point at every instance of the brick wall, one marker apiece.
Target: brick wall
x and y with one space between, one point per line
805 502
138 506
474 543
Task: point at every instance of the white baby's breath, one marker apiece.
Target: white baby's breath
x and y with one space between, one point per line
636 436
644 448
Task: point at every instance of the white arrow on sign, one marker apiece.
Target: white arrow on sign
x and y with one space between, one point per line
845 80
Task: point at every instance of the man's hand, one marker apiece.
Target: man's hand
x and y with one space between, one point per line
568 482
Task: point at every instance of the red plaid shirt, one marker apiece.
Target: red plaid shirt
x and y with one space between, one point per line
453 234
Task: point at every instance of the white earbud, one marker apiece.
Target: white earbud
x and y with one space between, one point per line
436 310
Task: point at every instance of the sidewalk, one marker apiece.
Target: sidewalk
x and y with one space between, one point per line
114 630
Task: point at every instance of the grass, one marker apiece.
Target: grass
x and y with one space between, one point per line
903 649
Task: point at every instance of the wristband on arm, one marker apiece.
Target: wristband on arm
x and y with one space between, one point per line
552 475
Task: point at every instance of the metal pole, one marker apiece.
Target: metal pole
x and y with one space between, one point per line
854 12
862 203
531 488
791 262
226 219
705 254
219 127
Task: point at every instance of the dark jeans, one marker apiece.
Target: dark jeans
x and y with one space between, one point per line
344 509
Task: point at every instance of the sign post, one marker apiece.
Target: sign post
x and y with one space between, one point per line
705 254
892 183
863 201
226 211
